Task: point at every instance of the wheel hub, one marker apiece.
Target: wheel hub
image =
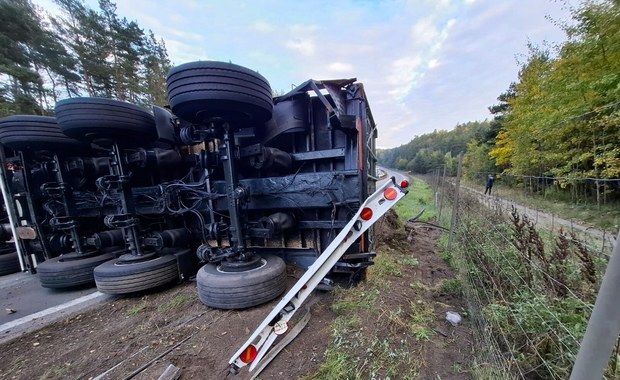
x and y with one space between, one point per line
76 256
128 258
231 265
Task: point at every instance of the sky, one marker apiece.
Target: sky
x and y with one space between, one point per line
426 64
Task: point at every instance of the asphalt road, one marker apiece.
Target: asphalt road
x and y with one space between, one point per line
392 173
25 304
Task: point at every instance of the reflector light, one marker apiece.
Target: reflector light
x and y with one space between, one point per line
390 193
404 184
366 214
249 354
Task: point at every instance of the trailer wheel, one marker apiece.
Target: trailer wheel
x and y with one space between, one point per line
66 271
91 119
9 263
198 91
240 290
32 133
120 277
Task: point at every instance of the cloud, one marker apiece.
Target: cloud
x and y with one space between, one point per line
195 37
181 52
305 46
426 64
426 40
178 18
341 67
424 31
403 75
302 40
263 26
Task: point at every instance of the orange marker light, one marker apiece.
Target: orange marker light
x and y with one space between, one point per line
366 214
390 193
249 354
404 184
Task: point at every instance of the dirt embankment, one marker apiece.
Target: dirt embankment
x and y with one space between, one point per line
122 338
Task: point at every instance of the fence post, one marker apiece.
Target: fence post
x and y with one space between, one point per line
443 189
603 326
455 206
598 196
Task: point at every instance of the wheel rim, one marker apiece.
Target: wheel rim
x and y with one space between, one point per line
233 266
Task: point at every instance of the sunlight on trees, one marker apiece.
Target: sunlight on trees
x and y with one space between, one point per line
83 52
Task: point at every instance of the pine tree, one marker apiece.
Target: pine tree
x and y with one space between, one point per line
156 65
19 28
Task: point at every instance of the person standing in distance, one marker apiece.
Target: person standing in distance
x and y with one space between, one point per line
490 181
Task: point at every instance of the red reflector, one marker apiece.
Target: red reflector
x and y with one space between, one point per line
366 214
390 194
404 184
249 354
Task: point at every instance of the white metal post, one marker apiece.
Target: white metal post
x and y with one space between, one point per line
603 327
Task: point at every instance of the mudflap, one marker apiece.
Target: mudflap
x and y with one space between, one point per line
188 264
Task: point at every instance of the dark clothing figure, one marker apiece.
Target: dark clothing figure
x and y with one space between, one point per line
489 184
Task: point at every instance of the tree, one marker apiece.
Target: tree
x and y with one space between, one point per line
559 121
99 54
19 31
114 56
156 65
476 160
427 152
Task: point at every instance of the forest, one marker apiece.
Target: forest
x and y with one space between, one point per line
559 119
81 52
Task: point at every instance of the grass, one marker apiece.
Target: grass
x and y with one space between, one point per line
516 297
55 372
137 309
359 349
452 286
387 265
420 197
409 261
445 254
176 302
489 371
417 285
422 316
352 299
356 350
383 358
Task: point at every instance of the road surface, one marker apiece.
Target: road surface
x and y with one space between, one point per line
392 173
26 305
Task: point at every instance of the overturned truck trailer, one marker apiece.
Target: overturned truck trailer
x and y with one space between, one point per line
227 176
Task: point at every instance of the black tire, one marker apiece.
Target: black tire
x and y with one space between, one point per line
117 277
240 290
201 90
9 263
58 273
92 119
33 133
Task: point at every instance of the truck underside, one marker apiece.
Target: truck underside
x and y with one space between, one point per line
227 176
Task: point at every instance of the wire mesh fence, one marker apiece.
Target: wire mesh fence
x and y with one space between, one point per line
597 192
530 283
